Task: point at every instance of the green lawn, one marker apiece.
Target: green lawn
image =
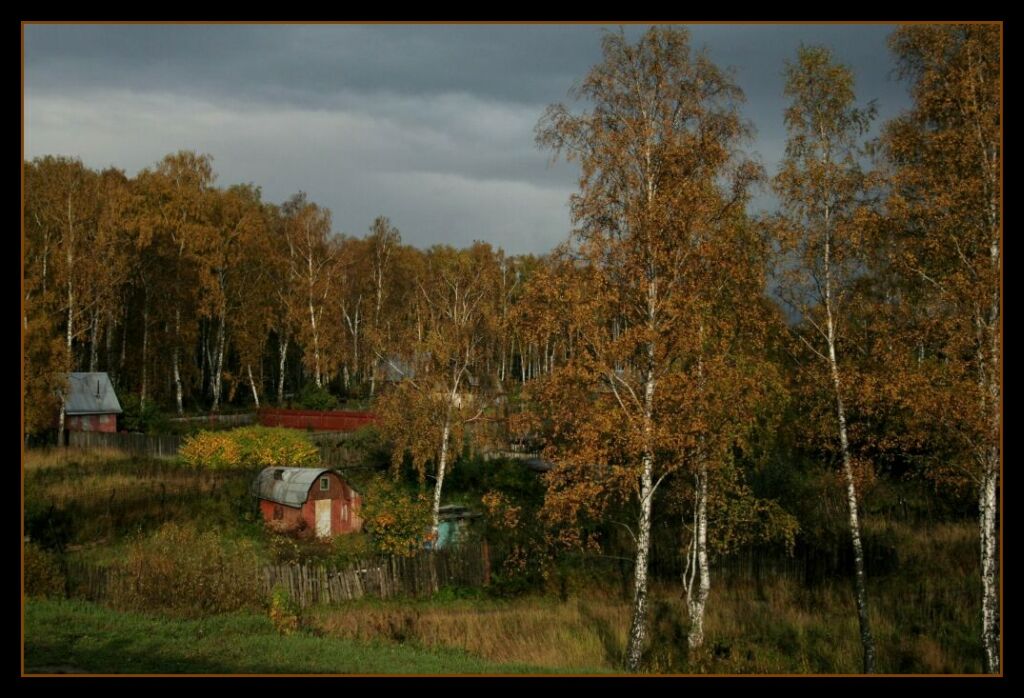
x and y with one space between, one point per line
80 637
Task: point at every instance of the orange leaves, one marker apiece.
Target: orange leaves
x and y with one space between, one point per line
500 510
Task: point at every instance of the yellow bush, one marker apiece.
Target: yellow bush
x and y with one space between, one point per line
250 447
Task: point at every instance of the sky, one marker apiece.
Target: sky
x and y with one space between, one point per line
429 125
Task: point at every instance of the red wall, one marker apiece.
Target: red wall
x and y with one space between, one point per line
337 420
91 422
339 494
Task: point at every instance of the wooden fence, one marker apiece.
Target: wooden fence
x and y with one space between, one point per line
158 446
421 575
335 420
220 419
309 584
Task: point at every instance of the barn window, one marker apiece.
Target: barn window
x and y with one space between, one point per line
278 512
325 484
278 474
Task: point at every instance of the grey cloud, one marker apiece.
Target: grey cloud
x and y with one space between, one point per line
430 125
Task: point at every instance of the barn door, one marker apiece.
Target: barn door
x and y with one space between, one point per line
323 518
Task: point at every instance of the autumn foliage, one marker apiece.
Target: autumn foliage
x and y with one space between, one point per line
250 447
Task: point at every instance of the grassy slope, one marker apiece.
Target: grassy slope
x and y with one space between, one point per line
84 637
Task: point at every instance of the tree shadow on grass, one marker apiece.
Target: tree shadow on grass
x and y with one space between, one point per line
614 651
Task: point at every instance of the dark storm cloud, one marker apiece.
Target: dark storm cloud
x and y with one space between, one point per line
312 65
430 125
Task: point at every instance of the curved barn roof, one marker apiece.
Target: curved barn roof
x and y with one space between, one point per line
293 487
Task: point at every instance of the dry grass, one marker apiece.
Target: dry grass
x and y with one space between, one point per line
90 486
923 618
537 631
39 458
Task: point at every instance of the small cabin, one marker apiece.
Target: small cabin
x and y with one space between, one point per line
453 525
90 403
318 497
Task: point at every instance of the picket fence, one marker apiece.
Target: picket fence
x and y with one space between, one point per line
309 584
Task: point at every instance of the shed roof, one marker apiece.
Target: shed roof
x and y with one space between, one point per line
90 393
293 487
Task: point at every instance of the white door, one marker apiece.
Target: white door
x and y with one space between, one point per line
323 518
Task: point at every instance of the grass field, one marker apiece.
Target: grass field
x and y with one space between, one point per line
79 637
925 603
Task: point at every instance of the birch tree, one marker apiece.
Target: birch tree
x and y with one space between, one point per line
311 256
945 160
659 172
439 388
821 235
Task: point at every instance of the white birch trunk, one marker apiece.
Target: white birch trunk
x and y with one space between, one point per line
638 626
442 463
860 586
316 347
109 337
94 338
282 355
252 383
697 599
218 369
174 360
988 495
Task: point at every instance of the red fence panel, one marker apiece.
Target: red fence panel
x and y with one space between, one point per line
335 420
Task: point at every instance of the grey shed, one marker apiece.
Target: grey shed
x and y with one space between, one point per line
291 487
90 393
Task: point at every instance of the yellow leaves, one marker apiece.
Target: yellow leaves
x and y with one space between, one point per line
250 447
397 520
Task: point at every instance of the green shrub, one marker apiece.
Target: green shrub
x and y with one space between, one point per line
185 572
397 520
140 417
250 447
316 398
284 612
43 574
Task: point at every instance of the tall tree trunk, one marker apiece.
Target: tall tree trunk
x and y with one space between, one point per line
94 338
69 336
316 347
638 626
442 463
860 586
219 368
174 360
145 346
989 563
109 338
282 353
252 383
60 423
697 599
988 495
124 342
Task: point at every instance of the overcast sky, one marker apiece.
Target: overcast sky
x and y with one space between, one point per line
430 125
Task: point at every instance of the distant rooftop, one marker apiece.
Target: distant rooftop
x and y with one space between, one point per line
90 393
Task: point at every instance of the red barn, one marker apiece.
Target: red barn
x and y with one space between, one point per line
320 498
90 403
